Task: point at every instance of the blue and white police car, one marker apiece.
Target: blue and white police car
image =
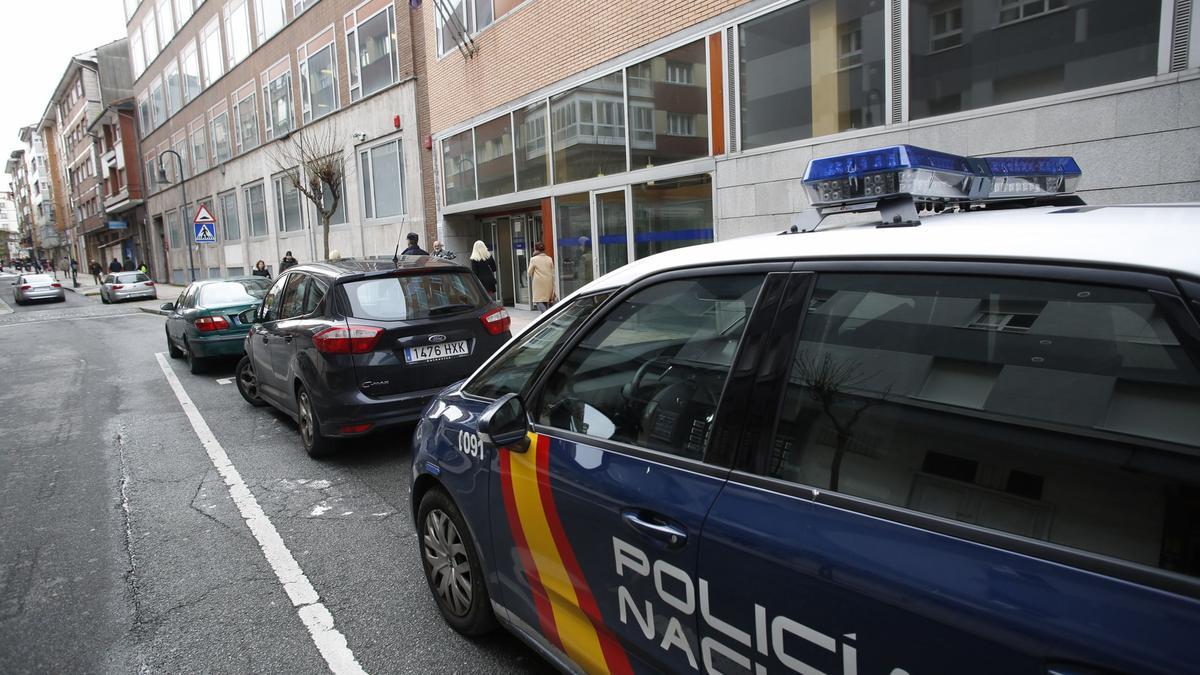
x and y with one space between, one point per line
959 436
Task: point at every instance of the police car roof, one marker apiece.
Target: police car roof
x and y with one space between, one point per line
1163 237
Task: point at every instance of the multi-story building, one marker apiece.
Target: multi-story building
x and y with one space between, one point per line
612 131
10 238
235 88
18 176
73 135
31 177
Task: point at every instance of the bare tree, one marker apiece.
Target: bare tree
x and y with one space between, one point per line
826 381
311 158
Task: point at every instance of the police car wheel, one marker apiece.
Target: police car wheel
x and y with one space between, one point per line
452 566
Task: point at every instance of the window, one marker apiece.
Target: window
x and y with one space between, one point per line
269 18
339 214
256 209
151 173
219 130
232 231
237 31
150 38
383 183
247 123
278 110
651 372
174 88
287 205
467 16
587 126
294 295
680 124
183 12
199 149
137 58
409 297
372 63
210 53
779 52
672 214
158 110
299 6
166 23
225 293
145 123
1078 430
1094 43
172 224
493 157
458 167
511 372
533 171
191 72
181 148
318 84
679 72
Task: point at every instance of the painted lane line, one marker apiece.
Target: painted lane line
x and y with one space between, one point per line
10 324
224 380
328 639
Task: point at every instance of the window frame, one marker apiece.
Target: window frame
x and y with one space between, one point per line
762 409
306 103
279 183
208 77
240 136
352 46
249 229
269 121
367 172
231 8
221 197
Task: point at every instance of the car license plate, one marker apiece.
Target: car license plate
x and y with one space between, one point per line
431 352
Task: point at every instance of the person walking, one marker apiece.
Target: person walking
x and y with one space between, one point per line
115 266
413 249
484 267
289 261
442 252
143 269
260 269
541 277
96 270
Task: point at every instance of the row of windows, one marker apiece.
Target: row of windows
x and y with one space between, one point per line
369 50
457 19
807 69
381 178
89 208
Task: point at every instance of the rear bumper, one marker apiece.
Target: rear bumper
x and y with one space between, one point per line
55 294
218 345
123 295
358 408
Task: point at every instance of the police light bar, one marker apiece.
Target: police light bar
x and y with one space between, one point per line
931 176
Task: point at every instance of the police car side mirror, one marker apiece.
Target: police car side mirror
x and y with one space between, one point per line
504 424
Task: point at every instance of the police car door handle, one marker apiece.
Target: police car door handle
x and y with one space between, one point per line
655 527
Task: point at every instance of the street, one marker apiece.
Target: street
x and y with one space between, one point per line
122 549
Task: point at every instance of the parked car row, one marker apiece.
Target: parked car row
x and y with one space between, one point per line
344 348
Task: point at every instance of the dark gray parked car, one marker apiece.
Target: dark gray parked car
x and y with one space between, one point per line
351 346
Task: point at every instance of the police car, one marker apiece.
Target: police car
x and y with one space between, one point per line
960 437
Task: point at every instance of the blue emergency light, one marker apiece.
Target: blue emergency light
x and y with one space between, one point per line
906 171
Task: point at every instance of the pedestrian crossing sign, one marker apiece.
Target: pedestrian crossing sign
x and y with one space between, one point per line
206 226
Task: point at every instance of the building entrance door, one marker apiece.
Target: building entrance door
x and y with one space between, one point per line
521 246
610 216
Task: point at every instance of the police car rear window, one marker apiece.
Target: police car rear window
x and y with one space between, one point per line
407 297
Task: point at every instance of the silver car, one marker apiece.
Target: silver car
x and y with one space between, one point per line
31 287
126 286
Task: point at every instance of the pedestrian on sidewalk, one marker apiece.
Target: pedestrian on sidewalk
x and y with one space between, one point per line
442 252
260 269
96 270
289 261
541 276
143 269
413 248
484 267
115 266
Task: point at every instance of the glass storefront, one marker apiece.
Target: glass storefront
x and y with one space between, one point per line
458 168
573 219
672 214
494 157
811 69
965 55
587 130
668 107
533 170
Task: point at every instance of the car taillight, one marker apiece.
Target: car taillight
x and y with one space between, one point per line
147 283
207 324
496 321
117 287
55 285
347 339
25 287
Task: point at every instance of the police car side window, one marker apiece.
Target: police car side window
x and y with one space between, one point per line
651 372
1058 411
510 372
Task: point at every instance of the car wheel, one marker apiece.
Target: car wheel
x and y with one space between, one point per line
452 567
103 298
195 363
247 382
172 350
315 444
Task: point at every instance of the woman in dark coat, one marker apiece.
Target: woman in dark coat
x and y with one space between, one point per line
484 267
260 269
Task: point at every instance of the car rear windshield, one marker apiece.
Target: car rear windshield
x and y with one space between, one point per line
39 279
132 278
413 296
238 292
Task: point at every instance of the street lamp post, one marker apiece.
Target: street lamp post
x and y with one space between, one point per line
162 178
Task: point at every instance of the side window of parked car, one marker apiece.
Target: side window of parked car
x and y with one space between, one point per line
270 306
294 296
1059 411
187 299
312 299
650 373
510 372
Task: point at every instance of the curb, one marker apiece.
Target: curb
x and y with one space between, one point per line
153 310
4 308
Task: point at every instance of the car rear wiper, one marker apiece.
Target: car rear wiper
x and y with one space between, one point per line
449 309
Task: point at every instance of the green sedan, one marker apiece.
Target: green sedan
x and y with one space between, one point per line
207 319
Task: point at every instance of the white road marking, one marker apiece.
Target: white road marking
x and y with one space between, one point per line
72 318
328 639
224 380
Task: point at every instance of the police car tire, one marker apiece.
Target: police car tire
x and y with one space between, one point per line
479 619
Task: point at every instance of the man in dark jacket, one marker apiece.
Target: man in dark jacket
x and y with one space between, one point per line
288 262
413 249
115 266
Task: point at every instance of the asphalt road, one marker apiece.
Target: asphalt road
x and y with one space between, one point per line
123 551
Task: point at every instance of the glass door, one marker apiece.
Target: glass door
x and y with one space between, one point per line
521 245
612 229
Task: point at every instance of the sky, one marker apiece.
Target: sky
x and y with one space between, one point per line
37 39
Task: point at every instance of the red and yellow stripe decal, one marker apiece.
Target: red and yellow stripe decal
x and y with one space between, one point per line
567 610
